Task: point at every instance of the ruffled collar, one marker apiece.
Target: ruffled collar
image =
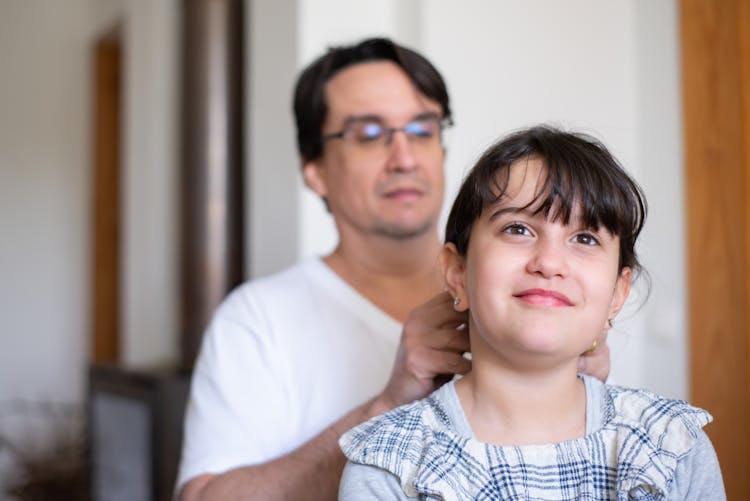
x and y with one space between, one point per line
633 456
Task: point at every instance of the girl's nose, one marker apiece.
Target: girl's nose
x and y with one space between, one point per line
548 259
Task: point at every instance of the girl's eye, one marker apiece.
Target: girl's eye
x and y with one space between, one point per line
516 229
586 239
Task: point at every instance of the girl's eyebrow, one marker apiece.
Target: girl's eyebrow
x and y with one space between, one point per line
510 210
528 212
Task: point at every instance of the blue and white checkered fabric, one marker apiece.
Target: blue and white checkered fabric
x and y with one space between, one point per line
633 456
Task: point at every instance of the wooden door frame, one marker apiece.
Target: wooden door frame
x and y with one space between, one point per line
715 42
106 139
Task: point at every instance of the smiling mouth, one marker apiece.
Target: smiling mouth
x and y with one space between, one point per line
543 297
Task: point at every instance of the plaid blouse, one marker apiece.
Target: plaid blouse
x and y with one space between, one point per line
633 456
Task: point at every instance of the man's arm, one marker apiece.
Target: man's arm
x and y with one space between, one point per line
431 346
310 472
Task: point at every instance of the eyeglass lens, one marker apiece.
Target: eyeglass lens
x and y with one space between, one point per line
368 132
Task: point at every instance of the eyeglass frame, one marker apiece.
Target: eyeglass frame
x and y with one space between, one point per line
442 122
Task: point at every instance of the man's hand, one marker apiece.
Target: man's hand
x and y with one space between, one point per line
429 354
595 361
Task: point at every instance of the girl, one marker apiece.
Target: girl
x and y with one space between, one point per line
541 252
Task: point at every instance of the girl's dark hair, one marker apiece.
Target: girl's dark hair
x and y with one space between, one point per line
310 107
579 170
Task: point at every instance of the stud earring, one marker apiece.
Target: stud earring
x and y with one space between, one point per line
456 301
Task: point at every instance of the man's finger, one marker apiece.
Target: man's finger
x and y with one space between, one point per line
447 339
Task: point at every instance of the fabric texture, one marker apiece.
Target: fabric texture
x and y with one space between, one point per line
282 359
635 445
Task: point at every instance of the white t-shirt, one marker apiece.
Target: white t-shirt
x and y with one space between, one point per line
283 358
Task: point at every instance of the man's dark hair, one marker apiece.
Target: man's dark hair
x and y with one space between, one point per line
579 172
310 107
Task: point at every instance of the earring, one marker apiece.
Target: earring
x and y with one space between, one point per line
609 321
456 301
593 346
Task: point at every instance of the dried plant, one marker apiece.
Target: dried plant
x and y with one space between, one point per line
47 446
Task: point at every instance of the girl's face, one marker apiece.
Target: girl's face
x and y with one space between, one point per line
538 292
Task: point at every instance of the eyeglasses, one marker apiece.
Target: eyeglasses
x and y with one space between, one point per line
370 133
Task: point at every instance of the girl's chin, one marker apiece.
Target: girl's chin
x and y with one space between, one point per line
551 353
546 350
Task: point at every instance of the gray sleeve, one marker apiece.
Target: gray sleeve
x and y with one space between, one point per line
698 476
367 483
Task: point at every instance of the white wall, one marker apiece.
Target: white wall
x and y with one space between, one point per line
273 178
606 68
664 350
45 189
150 183
149 33
44 199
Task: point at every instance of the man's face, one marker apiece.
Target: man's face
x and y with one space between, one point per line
393 190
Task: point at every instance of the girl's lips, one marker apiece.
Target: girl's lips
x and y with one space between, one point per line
544 297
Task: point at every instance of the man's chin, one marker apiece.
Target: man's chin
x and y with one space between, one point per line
404 231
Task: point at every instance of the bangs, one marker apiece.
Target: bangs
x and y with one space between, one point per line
571 188
579 179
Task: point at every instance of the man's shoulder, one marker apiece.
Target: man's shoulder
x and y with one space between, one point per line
269 297
295 279
290 277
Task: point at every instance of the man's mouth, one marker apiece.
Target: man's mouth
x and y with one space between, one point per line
405 193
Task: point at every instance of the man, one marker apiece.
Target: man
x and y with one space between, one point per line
292 361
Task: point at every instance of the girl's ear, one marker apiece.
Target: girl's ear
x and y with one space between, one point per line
454 273
314 178
622 289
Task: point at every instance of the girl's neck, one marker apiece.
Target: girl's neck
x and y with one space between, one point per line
507 407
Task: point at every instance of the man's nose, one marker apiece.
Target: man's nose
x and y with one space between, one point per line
400 151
